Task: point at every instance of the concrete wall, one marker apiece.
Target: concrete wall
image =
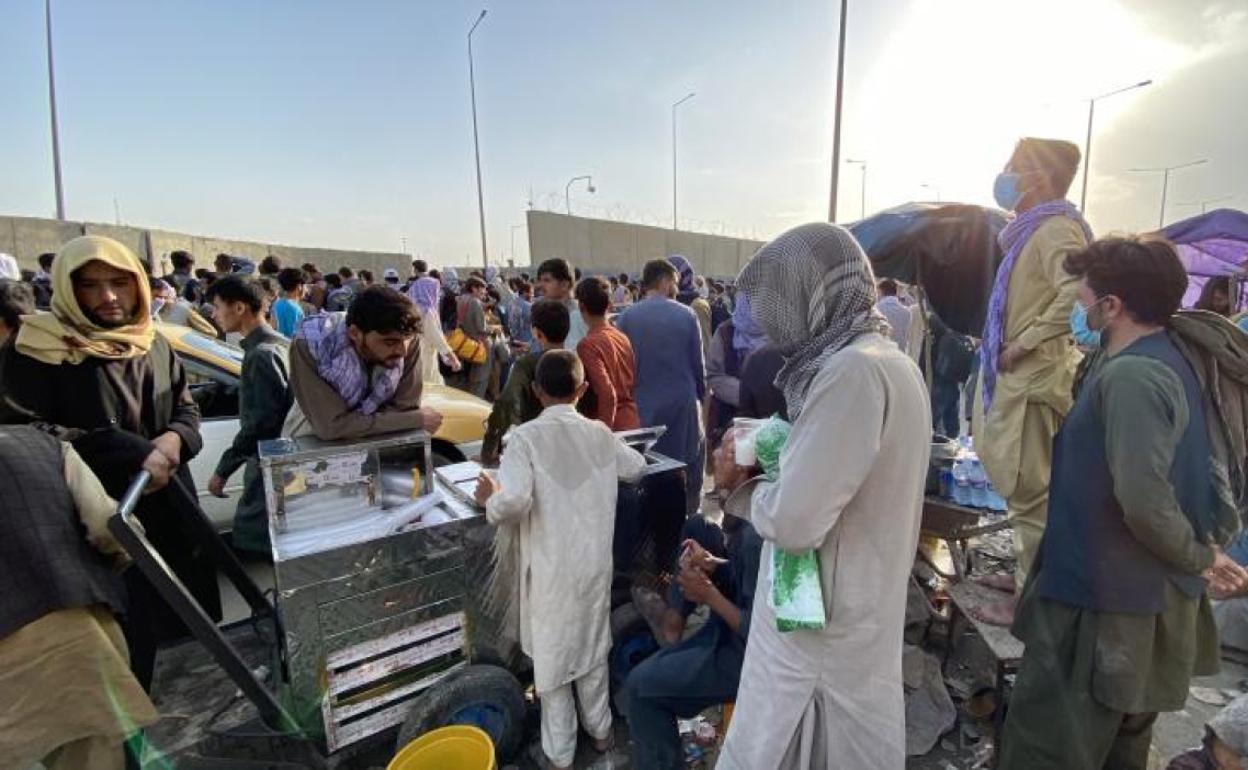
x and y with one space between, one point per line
27 237
602 246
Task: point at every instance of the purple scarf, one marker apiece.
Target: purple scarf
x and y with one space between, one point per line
686 289
747 335
1013 240
338 364
424 294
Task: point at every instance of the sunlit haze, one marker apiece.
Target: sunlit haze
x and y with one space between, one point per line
348 125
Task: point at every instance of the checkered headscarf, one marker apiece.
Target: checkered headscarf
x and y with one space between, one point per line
813 293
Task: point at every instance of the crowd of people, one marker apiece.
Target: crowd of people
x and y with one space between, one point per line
1110 421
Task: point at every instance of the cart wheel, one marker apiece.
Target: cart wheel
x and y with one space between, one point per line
484 696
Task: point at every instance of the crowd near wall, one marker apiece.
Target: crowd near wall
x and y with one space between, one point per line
599 246
28 237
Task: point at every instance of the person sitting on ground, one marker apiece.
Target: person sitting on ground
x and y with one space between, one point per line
1225 745
16 300
70 697
518 403
554 503
358 374
263 402
288 309
705 669
608 359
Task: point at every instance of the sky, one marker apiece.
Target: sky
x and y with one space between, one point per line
348 124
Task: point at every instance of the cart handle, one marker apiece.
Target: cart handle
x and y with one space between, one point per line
125 509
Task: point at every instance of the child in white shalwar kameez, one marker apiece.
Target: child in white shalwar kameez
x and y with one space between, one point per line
557 483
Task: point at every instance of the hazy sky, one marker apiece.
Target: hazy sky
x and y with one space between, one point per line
347 124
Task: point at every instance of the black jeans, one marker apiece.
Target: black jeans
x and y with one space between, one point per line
945 398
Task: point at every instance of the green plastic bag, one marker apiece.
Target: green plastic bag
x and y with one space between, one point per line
796 591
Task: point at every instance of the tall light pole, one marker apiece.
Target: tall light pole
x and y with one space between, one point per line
836 130
1165 182
935 189
1205 204
476 142
567 189
56 140
690 95
863 164
1087 145
514 228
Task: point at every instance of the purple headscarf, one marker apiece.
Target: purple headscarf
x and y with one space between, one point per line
338 364
424 294
686 289
1013 240
747 335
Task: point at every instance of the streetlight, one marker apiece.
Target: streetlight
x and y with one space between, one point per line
1204 205
674 106
514 227
863 164
476 142
934 188
56 141
567 190
1165 183
836 130
1087 145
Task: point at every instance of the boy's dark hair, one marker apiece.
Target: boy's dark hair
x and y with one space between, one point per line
238 288
524 288
383 310
309 268
1145 273
45 260
181 260
435 273
420 266
270 265
346 273
333 281
887 287
556 268
559 373
224 263
471 283
624 278
266 283
656 270
291 278
551 318
204 274
366 276
16 300
594 295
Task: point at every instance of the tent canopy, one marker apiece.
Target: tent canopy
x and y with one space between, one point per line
1210 245
949 249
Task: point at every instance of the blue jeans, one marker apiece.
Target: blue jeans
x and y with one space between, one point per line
945 398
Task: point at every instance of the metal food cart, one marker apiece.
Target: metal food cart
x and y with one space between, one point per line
380 572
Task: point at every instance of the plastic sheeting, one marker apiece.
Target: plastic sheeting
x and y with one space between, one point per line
949 249
1210 245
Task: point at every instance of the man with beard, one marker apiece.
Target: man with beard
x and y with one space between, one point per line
95 369
358 374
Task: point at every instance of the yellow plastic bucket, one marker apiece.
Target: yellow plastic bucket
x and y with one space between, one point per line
458 747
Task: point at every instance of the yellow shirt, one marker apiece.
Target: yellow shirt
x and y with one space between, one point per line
1040 297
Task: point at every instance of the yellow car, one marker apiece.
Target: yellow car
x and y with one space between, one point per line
213 368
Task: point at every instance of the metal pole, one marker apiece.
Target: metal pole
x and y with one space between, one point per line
1165 188
675 221
1087 158
56 141
1087 145
476 142
567 190
836 131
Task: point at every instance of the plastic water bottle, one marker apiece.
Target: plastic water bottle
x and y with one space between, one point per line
995 501
946 483
979 485
961 483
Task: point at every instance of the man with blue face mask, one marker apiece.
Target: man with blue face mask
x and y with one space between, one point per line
1028 362
1115 615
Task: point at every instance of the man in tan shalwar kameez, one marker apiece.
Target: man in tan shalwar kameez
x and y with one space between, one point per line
1021 401
850 486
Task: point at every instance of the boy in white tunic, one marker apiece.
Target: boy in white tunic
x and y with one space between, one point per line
557 484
